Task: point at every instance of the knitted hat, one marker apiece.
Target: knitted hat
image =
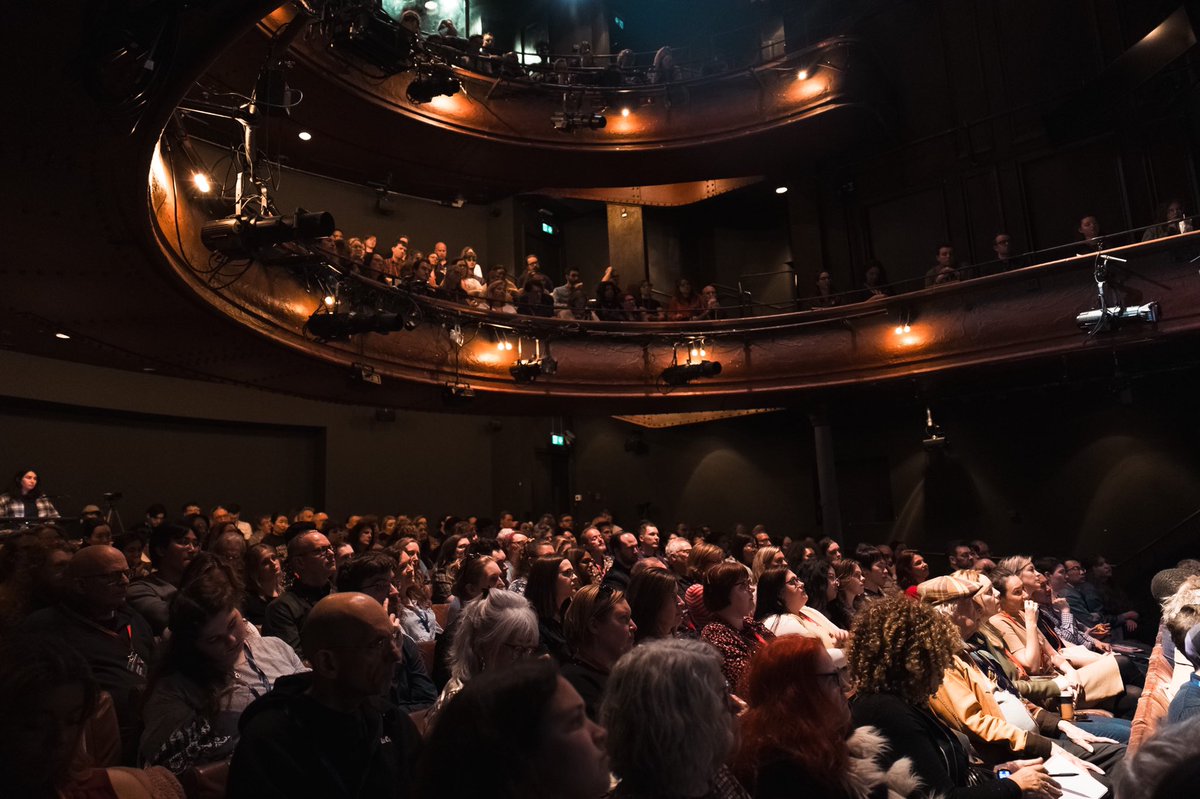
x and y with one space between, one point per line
945 589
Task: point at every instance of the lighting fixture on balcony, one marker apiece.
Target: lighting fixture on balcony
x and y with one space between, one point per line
244 236
1109 317
527 370
679 374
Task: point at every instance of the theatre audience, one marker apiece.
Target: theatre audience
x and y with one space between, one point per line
515 733
445 568
898 658
781 606
214 666
320 732
414 609
312 566
263 575
911 571
685 304
822 586
599 628
552 583
681 748
479 573
624 547
732 630
25 498
50 698
171 550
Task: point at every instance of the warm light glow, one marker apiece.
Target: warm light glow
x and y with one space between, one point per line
802 75
695 353
63 336
448 105
781 189
329 300
624 112
508 345
703 353
899 330
158 169
201 182
500 345
304 135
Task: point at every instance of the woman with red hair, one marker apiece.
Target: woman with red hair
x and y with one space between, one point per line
797 737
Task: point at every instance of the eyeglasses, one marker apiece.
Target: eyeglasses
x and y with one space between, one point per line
321 551
795 582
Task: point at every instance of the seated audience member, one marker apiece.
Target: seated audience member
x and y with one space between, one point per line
733 630
797 738
584 565
49 698
608 302
685 304
780 605
278 537
479 574
599 628
1181 622
264 582
562 294
822 586
95 532
967 701
533 271
533 549
1115 604
171 550
362 537
535 299
1005 261
702 558
898 658
826 296
875 283
630 311
552 583
492 632
34 577
960 555
624 547
499 300
1167 766
943 270
133 545
911 571
311 563
25 498
648 540
742 547
445 568
765 557
654 604
652 309
374 574
1017 623
230 546
850 591
1089 240
710 304
321 732
680 749
677 551
1174 222
117 643
875 573
829 550
527 736
414 610
215 665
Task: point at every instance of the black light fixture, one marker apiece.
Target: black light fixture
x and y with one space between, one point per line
339 326
243 236
527 370
432 80
1109 317
570 121
695 367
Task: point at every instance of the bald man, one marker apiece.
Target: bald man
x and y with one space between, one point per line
116 642
330 732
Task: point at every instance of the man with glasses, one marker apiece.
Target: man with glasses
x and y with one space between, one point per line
312 565
171 548
116 642
331 731
1084 606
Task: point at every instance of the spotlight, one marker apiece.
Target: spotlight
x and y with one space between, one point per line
625 112
902 329
781 189
341 326
304 135
1103 319
242 236
457 393
682 374
201 182
432 80
802 75
528 371
329 301
570 121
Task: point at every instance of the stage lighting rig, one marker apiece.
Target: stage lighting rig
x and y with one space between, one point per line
244 236
571 121
527 370
680 374
431 80
1109 317
341 325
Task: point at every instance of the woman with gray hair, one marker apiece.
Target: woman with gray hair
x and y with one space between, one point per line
494 631
679 749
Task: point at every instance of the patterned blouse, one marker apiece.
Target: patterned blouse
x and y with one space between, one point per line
737 647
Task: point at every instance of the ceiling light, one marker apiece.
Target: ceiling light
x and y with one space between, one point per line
431 5
802 75
304 135
201 182
625 112
781 189
63 336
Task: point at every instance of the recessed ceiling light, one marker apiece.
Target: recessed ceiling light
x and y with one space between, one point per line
304 135
63 336
781 189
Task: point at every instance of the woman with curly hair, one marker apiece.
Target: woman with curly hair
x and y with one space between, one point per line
797 738
898 658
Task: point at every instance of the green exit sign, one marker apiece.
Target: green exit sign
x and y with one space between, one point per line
557 440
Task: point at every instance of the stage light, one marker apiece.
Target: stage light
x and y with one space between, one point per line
682 374
340 326
201 182
802 75
242 236
570 121
528 371
781 189
902 329
329 301
1104 319
63 336
432 80
304 135
625 112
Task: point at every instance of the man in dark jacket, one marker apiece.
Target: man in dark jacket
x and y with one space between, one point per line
311 562
330 732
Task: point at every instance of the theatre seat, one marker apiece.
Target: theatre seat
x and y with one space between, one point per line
1153 704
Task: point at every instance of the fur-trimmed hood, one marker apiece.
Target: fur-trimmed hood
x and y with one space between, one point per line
867 747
